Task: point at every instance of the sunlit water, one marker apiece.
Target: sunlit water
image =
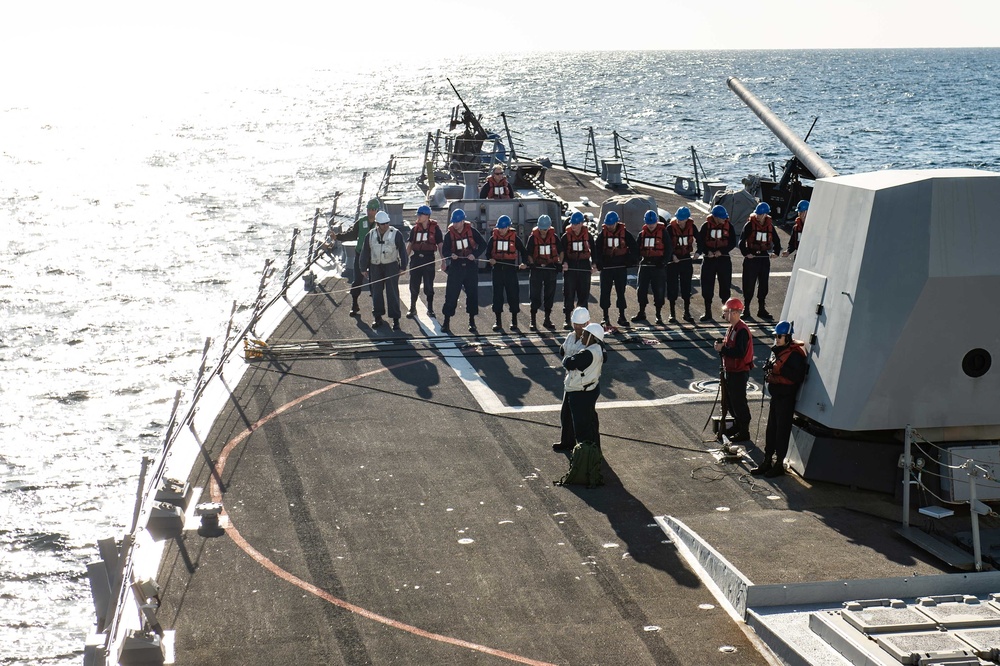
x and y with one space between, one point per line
131 224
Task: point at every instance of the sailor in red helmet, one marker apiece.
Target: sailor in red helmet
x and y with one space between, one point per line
680 268
784 372
422 247
505 253
716 239
654 250
802 208
736 350
758 243
497 186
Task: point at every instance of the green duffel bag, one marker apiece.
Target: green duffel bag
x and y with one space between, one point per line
584 466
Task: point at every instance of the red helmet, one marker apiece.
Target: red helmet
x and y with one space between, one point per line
734 304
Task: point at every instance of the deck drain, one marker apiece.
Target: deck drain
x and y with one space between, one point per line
706 606
466 541
651 627
722 508
727 649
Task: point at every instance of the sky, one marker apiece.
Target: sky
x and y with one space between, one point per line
59 43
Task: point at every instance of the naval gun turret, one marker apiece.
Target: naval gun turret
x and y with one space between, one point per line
892 290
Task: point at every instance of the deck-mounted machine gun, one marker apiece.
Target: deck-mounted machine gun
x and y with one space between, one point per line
469 145
805 163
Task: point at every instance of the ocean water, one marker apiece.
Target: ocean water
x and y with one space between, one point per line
130 223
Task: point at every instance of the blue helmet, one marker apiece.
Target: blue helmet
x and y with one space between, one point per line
503 222
783 328
762 208
458 216
802 206
720 212
576 218
651 217
424 210
684 213
544 222
611 218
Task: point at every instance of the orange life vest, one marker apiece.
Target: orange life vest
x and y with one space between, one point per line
651 244
577 246
799 223
545 251
759 238
780 357
716 234
683 238
497 189
463 243
730 363
423 239
614 241
504 244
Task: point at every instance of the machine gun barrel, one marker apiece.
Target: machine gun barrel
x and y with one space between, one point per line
807 156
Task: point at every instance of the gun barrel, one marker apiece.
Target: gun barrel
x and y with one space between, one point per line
809 158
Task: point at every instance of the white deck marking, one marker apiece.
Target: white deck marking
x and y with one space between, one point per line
490 402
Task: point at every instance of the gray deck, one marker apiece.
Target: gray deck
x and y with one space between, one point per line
397 520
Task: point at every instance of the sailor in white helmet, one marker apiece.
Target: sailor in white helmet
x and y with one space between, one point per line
573 344
582 388
384 256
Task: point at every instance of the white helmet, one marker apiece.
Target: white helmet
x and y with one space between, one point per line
580 316
381 217
596 330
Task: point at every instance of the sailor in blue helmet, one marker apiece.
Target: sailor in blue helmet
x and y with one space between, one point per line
422 247
802 209
784 372
680 267
544 256
616 248
758 243
655 248
577 249
358 233
383 257
461 249
505 253
716 239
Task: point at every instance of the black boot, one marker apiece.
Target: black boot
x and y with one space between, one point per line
659 317
568 326
548 321
673 312
534 320
395 324
472 324
497 327
413 308
622 321
446 324
687 310
708 316
355 310
430 306
762 312
606 320
640 315
513 321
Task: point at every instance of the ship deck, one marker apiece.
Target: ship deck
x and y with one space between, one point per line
390 499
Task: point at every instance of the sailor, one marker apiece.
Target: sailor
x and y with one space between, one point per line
461 249
681 265
802 208
582 388
736 350
784 372
423 245
545 259
496 186
577 248
359 232
716 239
573 344
505 252
615 249
757 243
383 257
654 250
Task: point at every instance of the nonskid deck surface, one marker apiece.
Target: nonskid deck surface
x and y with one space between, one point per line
391 501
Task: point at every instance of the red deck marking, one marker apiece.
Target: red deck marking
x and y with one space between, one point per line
261 559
